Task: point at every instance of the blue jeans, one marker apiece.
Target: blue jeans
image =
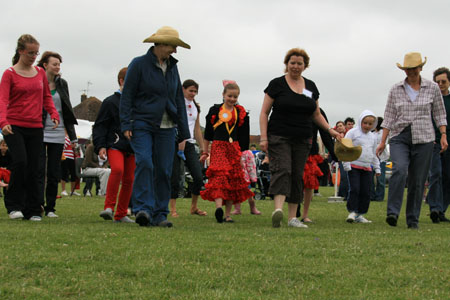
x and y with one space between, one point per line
377 190
154 150
409 161
445 180
435 197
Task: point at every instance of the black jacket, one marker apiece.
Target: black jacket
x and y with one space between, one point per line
106 132
67 110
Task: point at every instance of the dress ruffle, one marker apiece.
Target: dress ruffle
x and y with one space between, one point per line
225 174
311 172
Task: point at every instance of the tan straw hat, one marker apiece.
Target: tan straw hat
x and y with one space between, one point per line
345 151
167 35
412 60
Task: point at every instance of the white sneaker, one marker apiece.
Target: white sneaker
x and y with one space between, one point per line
125 219
107 214
361 219
52 215
277 217
64 193
76 193
36 218
294 222
351 217
88 194
15 214
317 195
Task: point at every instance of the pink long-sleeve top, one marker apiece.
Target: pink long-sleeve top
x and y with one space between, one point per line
22 99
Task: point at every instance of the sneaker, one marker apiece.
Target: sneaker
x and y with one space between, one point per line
16 214
413 226
124 220
88 194
277 217
317 195
75 193
361 219
64 193
294 222
351 217
51 214
107 214
391 220
36 218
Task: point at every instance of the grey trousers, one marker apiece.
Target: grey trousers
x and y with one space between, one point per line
409 162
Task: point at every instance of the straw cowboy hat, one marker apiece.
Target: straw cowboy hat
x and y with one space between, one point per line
167 35
345 151
412 60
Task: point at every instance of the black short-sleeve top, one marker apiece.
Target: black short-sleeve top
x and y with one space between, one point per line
291 112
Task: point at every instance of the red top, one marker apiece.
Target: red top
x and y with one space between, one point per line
22 99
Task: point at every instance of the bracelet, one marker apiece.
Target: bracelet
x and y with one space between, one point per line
442 133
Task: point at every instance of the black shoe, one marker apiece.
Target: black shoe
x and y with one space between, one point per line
228 220
391 220
219 215
434 216
442 218
165 223
413 226
142 218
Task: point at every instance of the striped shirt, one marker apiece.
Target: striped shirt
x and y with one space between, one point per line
401 112
68 152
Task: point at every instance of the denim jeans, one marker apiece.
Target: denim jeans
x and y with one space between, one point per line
377 189
435 197
154 150
445 157
195 168
359 182
409 162
50 174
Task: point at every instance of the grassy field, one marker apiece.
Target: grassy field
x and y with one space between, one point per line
81 256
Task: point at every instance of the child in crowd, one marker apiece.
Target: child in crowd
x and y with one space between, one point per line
227 126
249 167
5 160
360 170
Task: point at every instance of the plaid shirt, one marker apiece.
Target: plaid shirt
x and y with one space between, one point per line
401 112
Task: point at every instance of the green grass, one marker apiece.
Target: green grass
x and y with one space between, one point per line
81 256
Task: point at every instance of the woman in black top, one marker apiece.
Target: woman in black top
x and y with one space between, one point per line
294 102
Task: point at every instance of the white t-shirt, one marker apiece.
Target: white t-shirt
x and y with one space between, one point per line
192 114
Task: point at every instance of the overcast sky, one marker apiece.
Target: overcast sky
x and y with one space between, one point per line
353 44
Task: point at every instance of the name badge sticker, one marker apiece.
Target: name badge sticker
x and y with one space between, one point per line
307 93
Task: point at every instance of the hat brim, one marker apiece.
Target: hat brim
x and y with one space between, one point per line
406 68
167 39
345 153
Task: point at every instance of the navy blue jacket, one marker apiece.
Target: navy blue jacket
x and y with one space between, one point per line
106 132
147 93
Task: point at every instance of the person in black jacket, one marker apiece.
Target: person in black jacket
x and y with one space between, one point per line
110 142
54 137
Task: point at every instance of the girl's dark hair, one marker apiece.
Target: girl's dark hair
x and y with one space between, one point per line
21 45
46 57
380 120
188 83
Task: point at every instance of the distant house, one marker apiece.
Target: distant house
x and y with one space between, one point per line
88 108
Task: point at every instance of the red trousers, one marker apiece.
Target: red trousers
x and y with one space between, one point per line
5 175
122 169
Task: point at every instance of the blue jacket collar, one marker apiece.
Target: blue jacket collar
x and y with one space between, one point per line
172 61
